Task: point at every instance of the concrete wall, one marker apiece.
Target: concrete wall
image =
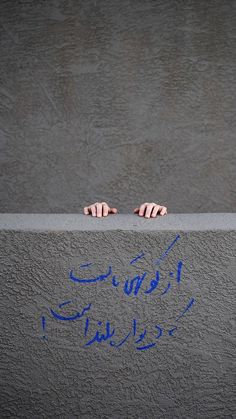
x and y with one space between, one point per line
48 369
122 101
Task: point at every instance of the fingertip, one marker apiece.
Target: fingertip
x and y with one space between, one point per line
163 212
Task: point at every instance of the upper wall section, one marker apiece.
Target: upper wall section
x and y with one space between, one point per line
119 101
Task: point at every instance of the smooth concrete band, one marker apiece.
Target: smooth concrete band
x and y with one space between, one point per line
80 222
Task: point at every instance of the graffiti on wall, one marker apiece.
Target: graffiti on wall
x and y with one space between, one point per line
143 337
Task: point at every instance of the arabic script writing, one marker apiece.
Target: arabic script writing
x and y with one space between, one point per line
143 337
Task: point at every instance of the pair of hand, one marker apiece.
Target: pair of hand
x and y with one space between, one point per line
147 210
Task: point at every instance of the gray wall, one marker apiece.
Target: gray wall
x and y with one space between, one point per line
122 101
50 373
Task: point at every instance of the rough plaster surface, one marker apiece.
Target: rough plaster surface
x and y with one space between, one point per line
187 375
122 101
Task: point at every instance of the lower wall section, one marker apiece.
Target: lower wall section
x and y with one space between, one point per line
117 323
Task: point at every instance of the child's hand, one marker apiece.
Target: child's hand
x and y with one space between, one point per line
151 210
99 209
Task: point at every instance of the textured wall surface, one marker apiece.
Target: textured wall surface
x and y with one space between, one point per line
121 101
48 372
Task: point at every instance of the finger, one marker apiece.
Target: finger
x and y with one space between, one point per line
163 211
142 209
99 209
105 209
136 210
93 210
113 210
149 210
86 210
155 210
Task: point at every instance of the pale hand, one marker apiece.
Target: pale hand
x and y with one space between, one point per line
99 209
148 210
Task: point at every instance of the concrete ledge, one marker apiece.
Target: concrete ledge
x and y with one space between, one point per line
119 317
79 222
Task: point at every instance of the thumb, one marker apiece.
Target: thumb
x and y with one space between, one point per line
136 209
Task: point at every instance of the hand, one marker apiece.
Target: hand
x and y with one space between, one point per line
99 209
151 209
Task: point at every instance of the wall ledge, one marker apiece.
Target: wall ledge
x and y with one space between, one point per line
81 222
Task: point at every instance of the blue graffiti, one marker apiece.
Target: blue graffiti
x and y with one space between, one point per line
167 250
142 337
76 316
101 277
137 257
99 337
132 285
138 338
